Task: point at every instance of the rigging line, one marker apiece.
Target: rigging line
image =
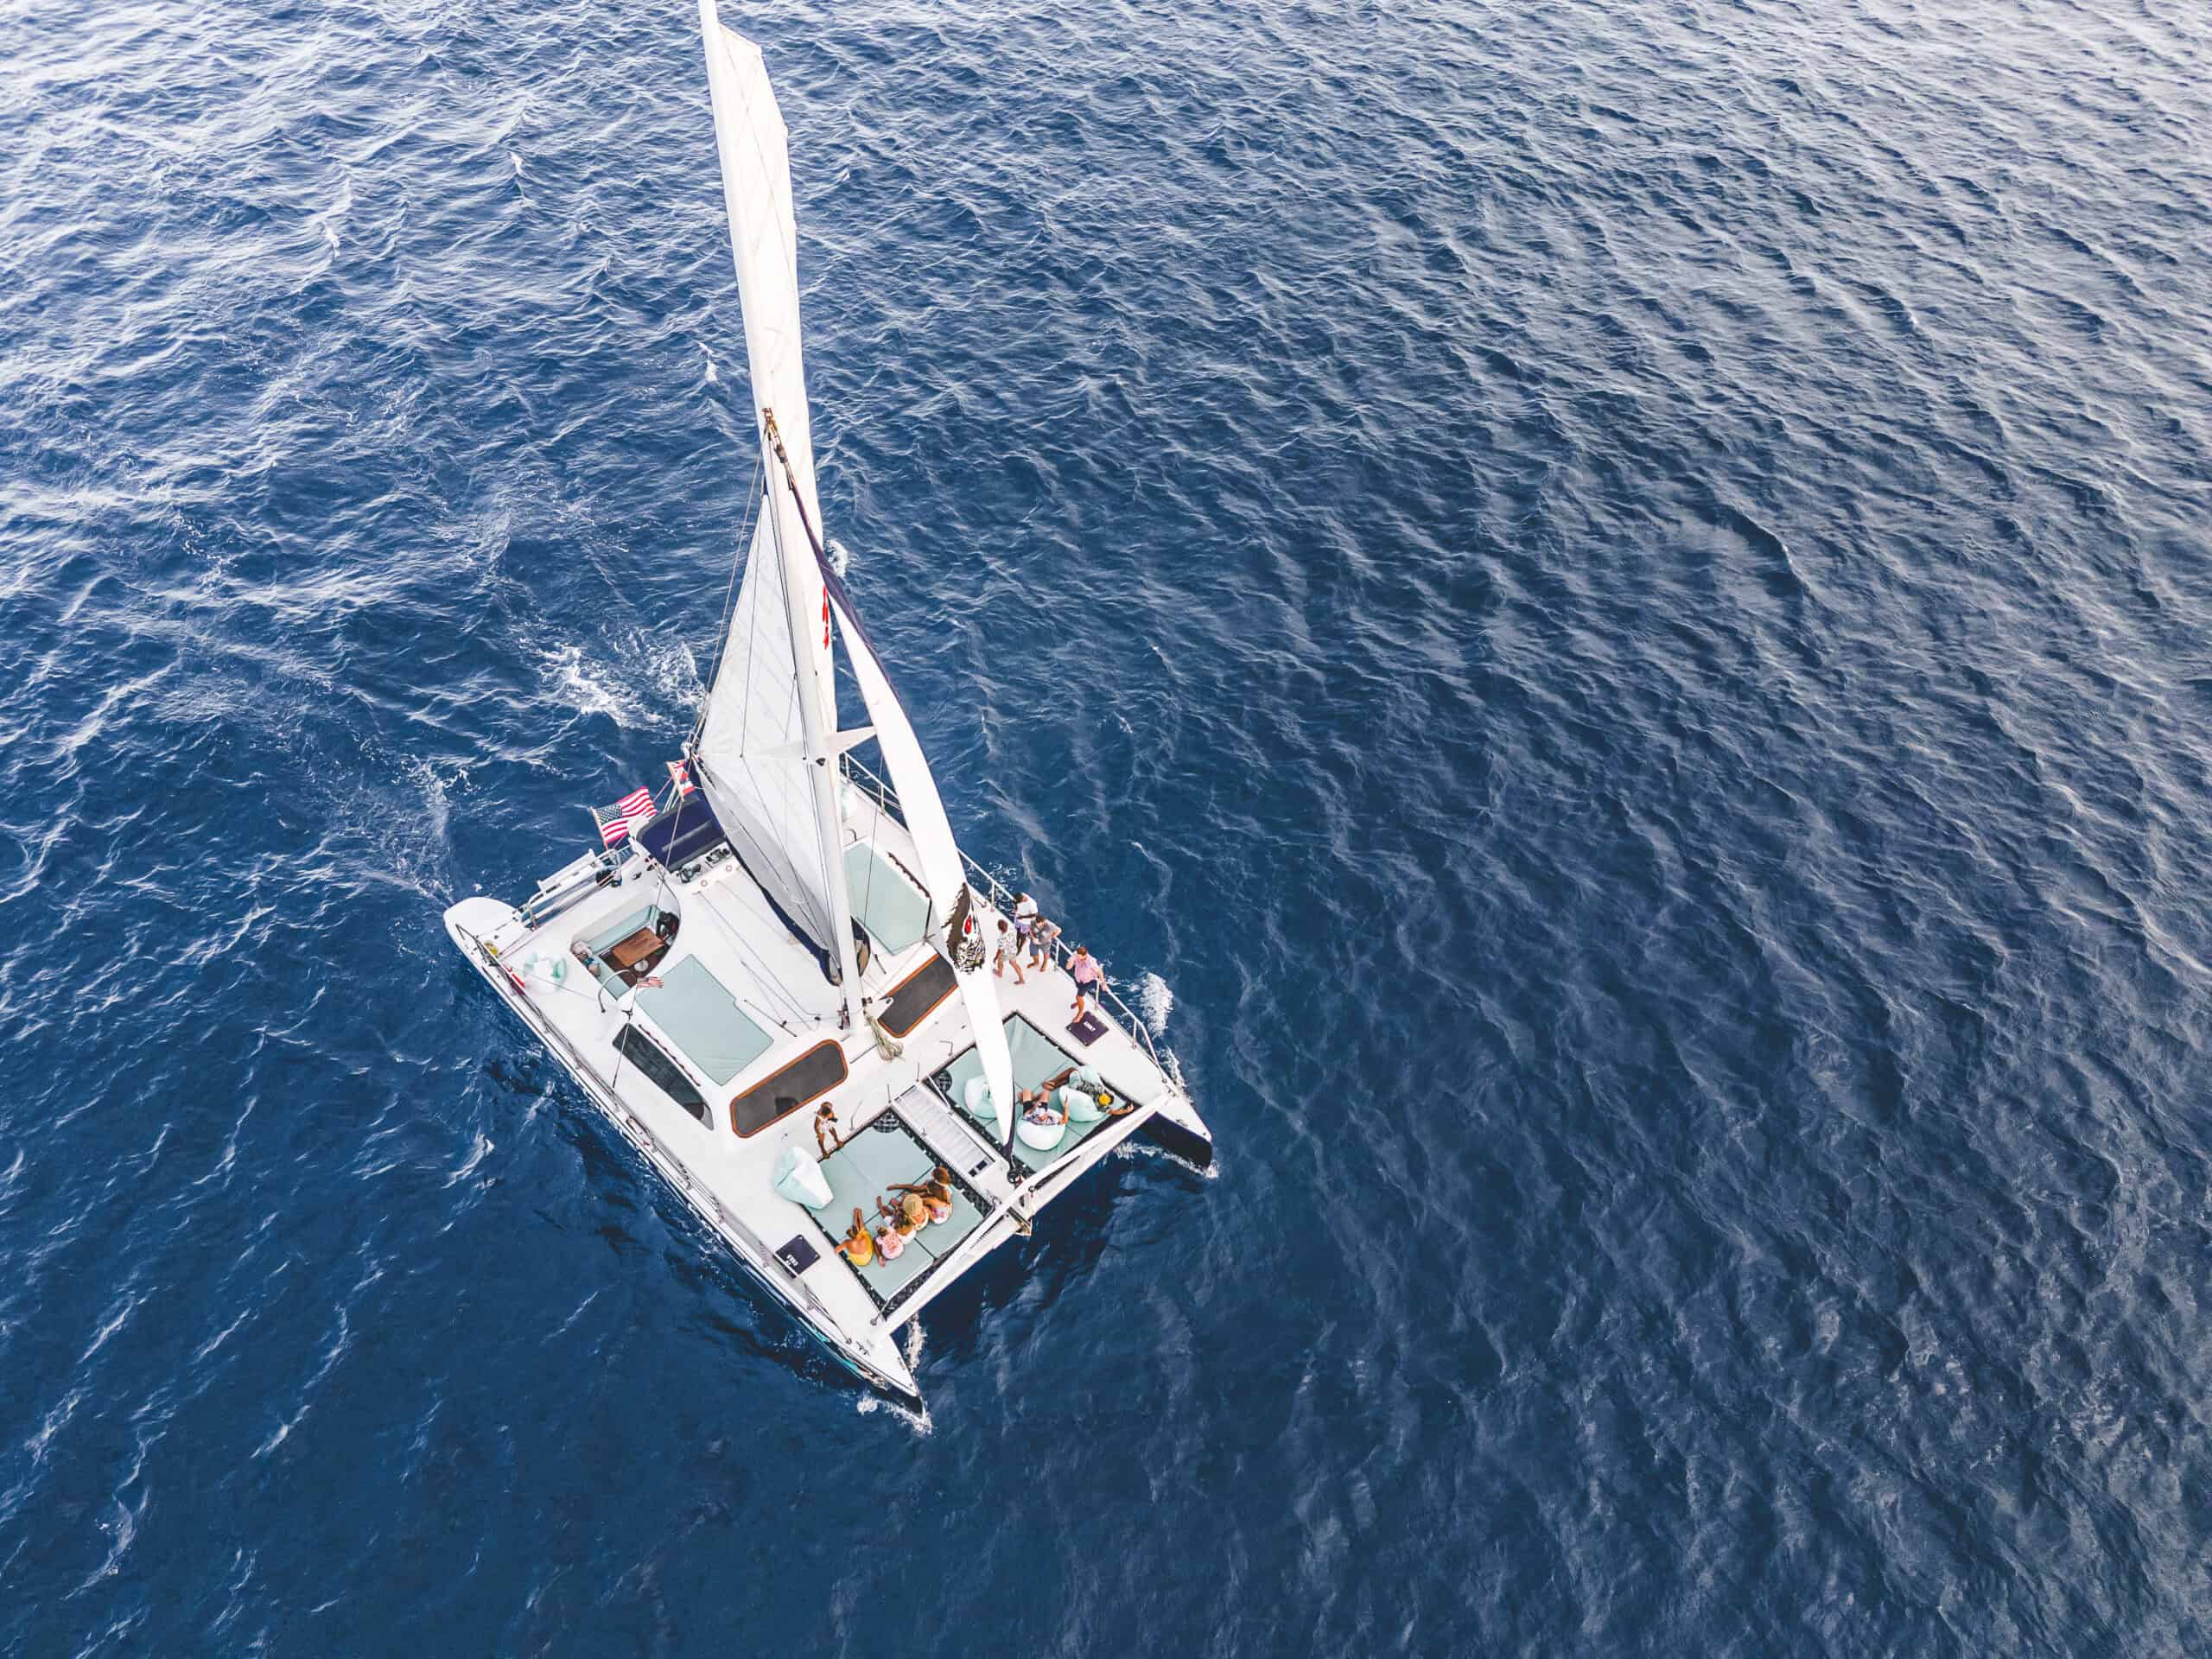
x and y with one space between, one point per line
756 965
791 483
753 622
776 858
729 595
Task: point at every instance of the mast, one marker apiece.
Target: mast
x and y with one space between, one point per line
821 750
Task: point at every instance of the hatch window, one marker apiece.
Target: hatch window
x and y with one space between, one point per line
666 1076
818 1071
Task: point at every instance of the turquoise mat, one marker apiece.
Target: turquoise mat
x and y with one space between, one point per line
861 1171
891 908
1036 1057
703 1020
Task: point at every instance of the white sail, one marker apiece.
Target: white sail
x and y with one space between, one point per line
942 872
770 724
750 747
750 134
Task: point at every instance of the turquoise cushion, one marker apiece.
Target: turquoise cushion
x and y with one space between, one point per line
703 1020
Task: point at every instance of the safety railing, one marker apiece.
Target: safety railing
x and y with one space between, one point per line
1003 902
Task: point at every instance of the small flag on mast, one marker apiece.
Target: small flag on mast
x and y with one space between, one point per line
615 821
680 775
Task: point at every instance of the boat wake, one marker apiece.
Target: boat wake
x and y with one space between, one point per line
918 1421
1155 1002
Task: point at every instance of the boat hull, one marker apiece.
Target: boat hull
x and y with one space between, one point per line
467 923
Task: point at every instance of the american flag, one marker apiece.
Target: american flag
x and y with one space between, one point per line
615 821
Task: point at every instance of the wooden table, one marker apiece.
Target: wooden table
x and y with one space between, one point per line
634 949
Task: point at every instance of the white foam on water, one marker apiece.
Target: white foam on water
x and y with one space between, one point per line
713 375
869 1404
476 1155
1155 1002
841 558
516 160
1137 1147
672 671
332 217
581 687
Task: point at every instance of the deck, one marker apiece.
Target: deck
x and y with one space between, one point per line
740 1001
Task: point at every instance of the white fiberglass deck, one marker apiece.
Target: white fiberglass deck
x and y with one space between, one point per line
740 1000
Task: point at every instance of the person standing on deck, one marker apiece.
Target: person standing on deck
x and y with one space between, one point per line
1009 950
1042 934
1088 981
1025 919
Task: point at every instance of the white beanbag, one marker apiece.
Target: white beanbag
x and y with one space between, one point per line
800 1179
1086 1077
1081 1108
1043 1136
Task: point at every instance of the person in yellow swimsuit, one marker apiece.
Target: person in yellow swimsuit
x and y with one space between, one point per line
857 1247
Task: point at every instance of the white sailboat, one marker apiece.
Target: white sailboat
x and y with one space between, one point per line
796 932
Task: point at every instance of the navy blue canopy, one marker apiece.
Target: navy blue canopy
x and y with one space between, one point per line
675 838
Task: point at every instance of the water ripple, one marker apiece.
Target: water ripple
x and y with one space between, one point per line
1609 595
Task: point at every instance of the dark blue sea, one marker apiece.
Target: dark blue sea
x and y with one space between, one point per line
1600 607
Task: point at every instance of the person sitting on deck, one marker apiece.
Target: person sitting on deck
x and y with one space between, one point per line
936 1193
907 1213
1037 1108
825 1125
856 1247
1089 980
897 1229
1007 950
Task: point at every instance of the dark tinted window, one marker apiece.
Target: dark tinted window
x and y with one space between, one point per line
921 991
818 1071
644 1053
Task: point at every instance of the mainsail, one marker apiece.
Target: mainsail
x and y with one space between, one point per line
771 704
769 737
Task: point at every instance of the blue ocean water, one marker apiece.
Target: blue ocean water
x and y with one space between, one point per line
1602 606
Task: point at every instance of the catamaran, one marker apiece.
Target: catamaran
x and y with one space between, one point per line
777 977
